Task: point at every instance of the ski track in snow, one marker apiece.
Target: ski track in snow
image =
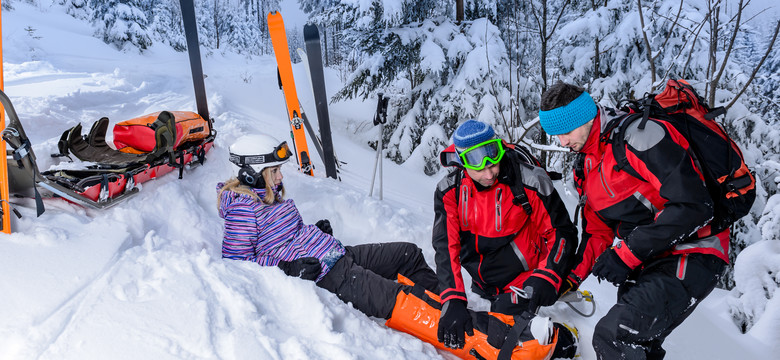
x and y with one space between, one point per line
145 279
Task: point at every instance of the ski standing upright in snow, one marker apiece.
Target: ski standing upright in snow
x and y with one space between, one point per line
284 64
5 214
311 36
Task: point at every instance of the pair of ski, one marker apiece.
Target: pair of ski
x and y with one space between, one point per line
298 121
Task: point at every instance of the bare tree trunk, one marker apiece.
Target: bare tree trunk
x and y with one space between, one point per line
543 38
712 63
216 23
458 11
650 57
597 44
545 35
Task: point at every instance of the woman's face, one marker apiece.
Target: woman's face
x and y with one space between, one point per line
275 175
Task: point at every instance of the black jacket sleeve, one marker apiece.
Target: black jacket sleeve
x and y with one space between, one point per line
659 154
553 223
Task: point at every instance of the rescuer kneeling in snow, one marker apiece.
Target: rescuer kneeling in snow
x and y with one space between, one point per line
499 217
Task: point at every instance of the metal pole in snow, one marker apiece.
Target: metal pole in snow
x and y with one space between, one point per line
380 118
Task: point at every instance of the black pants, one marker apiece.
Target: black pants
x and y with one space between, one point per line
366 276
666 291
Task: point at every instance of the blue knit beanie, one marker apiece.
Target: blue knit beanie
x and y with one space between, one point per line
472 132
564 119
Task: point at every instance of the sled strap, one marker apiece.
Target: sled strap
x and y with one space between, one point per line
513 335
180 164
200 152
21 152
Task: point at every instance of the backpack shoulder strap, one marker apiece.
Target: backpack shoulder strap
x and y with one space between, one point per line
522 158
616 135
458 180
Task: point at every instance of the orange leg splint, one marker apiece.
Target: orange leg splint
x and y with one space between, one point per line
417 317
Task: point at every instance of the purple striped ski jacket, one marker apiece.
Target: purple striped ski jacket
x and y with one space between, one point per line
267 234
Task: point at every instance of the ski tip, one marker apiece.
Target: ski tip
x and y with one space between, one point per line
310 31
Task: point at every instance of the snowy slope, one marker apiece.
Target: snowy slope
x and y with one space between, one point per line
145 279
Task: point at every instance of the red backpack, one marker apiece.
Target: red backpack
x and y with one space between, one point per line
731 184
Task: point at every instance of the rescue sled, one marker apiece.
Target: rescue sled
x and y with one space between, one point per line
146 147
110 175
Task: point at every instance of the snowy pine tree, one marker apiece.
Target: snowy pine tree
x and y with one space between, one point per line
121 22
167 26
78 9
245 36
436 72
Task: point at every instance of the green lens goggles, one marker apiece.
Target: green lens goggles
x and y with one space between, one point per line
477 156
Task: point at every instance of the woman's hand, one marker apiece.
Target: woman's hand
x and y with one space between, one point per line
324 226
307 268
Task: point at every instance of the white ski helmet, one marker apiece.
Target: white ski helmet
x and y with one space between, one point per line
258 152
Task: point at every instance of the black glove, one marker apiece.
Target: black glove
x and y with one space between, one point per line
543 294
307 268
454 322
568 285
324 225
610 267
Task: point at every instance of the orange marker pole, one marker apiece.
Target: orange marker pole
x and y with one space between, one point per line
5 226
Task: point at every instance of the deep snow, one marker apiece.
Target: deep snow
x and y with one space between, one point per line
145 279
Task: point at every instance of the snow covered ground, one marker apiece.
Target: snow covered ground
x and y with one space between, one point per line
145 279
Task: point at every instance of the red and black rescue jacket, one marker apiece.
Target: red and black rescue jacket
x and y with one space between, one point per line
665 212
497 242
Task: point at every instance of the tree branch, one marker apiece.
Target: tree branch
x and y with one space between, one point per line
669 35
558 20
536 17
647 45
755 70
731 45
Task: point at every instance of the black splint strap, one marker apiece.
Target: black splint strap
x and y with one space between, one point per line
513 335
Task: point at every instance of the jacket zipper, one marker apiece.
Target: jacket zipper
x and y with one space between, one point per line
604 185
464 195
498 209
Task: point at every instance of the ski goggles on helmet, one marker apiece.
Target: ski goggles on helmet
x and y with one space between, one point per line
477 156
281 153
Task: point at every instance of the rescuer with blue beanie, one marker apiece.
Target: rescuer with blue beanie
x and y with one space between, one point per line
499 218
472 132
564 119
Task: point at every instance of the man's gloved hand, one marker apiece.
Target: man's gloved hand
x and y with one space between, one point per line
543 294
568 285
454 322
610 267
307 268
324 225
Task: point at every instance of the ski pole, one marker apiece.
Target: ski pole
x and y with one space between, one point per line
380 118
